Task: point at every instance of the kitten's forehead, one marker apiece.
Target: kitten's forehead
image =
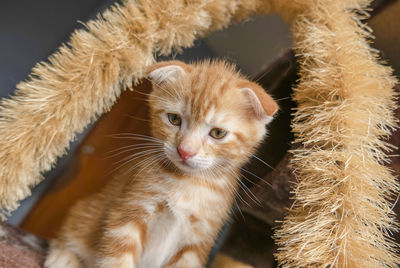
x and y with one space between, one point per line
211 92
208 93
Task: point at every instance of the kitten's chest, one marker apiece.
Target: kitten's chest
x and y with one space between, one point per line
167 232
181 218
164 236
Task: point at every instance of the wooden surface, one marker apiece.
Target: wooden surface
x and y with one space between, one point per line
91 165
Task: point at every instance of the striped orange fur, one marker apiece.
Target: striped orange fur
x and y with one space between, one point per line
166 208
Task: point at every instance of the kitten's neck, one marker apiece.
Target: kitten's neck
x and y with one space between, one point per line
231 174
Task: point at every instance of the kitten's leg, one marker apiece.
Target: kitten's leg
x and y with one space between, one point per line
121 246
60 256
190 256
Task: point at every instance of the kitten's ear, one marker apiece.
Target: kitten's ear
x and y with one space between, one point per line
166 71
263 106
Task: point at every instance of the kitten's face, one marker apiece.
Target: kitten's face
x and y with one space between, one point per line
206 115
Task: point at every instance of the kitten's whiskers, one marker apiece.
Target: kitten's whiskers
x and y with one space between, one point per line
231 171
262 161
130 148
138 118
155 158
254 175
133 157
135 136
246 189
249 193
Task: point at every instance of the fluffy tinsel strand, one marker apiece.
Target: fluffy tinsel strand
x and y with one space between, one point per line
342 215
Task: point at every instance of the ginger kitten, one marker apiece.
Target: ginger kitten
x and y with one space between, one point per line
206 120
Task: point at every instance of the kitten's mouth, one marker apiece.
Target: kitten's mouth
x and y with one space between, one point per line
184 164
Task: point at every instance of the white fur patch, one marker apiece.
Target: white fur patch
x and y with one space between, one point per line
164 235
126 230
128 233
60 257
171 230
79 248
125 260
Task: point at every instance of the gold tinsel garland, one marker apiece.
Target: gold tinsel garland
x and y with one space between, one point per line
341 215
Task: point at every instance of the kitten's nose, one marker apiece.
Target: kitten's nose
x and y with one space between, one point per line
185 154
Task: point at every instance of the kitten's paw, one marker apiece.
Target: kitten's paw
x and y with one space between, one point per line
60 257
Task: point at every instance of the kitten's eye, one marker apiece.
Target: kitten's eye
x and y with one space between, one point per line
218 133
175 119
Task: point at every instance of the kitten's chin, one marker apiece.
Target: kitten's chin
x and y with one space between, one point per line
185 166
